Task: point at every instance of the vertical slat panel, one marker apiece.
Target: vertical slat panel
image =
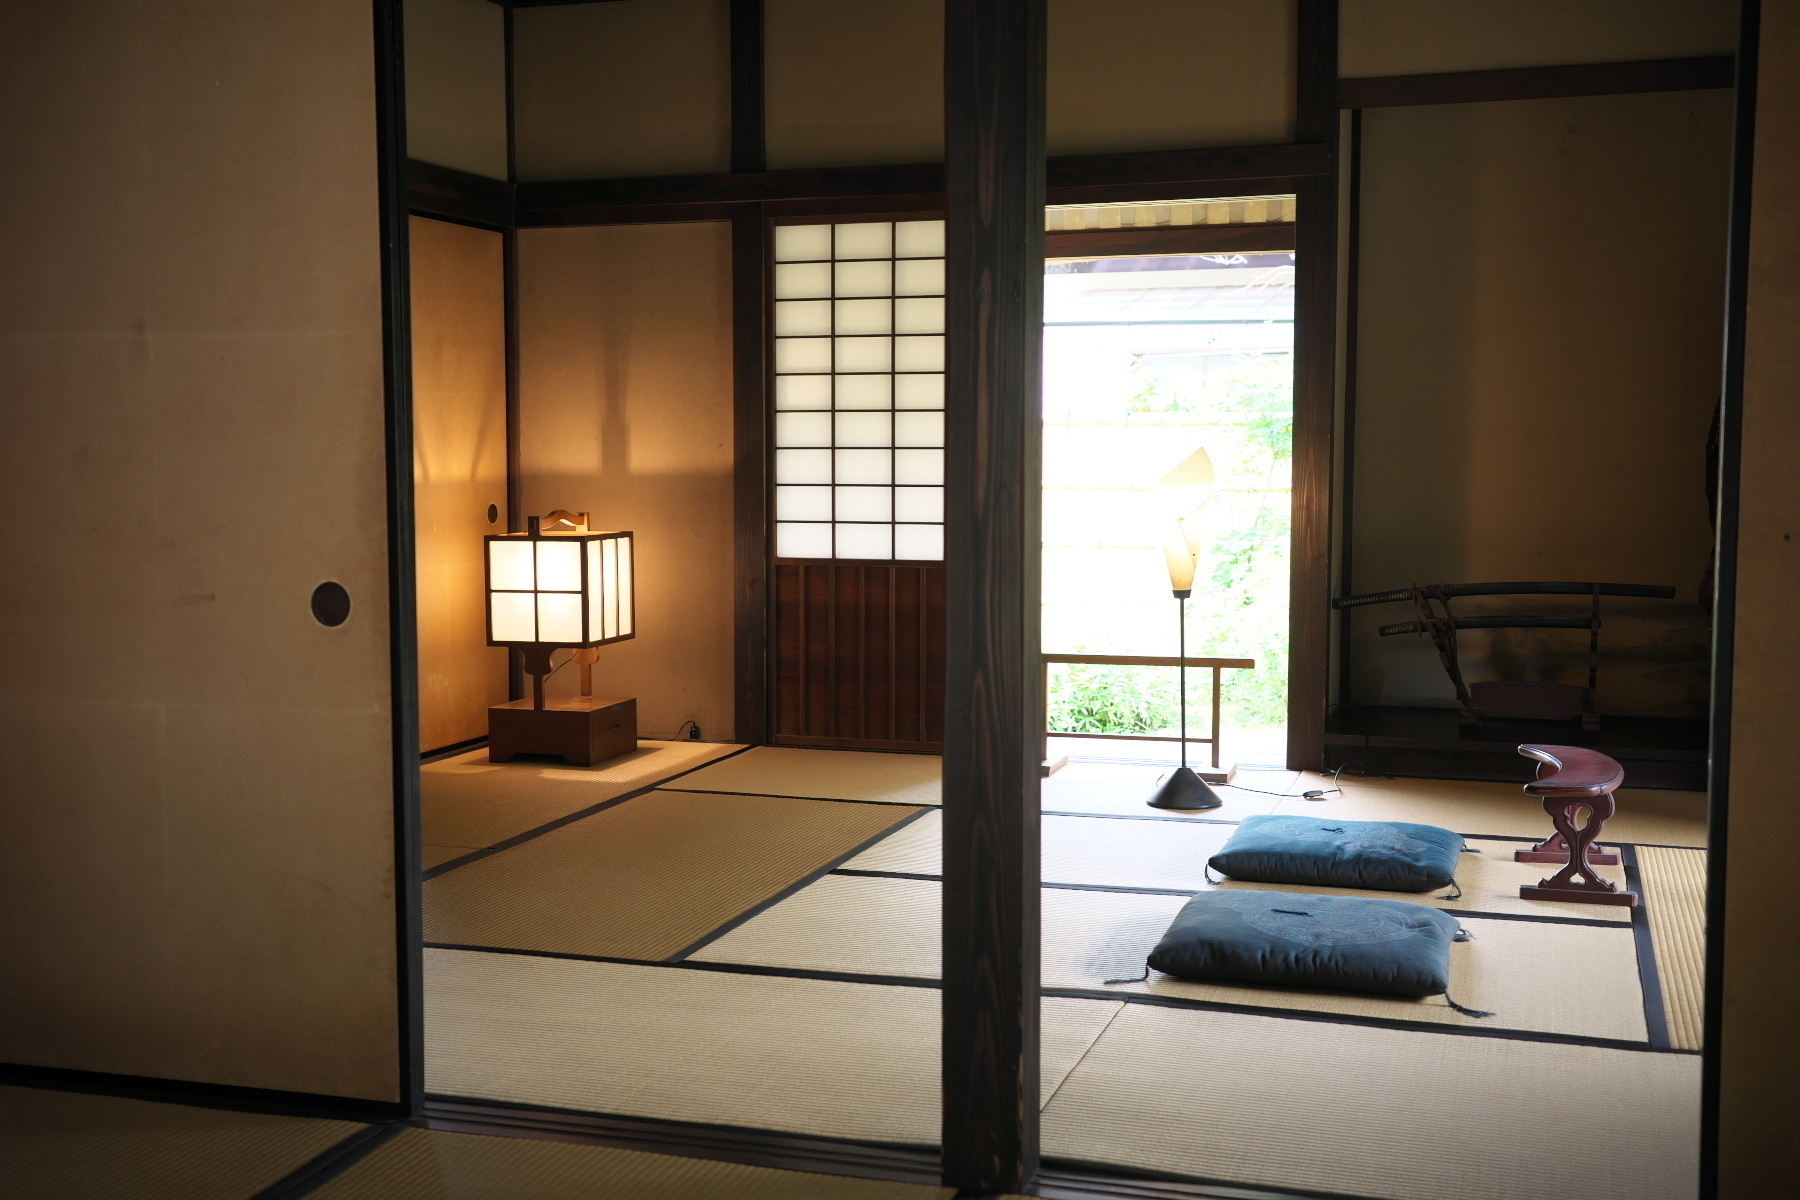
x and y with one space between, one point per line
859 654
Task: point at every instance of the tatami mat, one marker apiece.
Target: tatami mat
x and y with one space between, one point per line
826 775
1533 976
437 856
807 1056
1375 1112
1504 810
1110 852
425 1164
860 924
915 849
69 1146
472 803
1674 883
649 877
1122 791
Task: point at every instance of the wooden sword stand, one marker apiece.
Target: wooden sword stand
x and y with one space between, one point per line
1570 780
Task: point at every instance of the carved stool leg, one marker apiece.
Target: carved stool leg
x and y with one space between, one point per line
1554 849
1577 881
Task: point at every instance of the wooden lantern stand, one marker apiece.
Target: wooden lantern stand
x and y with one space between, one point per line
584 730
1571 779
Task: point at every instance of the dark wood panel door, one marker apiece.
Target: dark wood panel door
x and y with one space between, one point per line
859 655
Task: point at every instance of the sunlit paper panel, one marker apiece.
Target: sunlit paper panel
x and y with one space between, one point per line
803 318
802 503
925 542
802 429
865 278
919 467
919 391
559 618
865 541
802 354
559 566
513 615
866 467
864 429
802 281
865 504
802 541
919 504
803 466
918 429
864 354
919 239
865 239
863 317
510 566
796 243
919 353
918 277
918 314
803 391
627 599
602 614
865 391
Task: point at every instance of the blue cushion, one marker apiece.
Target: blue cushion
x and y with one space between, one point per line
1283 939
1386 856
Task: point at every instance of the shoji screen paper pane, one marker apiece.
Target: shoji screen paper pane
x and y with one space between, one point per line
859 390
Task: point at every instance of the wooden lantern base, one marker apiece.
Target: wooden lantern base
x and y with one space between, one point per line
582 729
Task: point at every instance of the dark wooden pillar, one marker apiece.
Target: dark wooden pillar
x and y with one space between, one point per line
1315 390
749 307
994 709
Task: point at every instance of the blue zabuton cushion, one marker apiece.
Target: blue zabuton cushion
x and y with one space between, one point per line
1285 939
1386 856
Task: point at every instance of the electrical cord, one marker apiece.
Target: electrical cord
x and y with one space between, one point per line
1317 793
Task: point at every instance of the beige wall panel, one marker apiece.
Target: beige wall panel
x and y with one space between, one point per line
1539 345
626 413
1169 74
635 87
1425 37
459 469
196 814
854 84
1760 1056
456 85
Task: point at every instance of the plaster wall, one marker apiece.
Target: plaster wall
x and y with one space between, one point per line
626 413
634 87
196 797
1426 37
1539 317
459 470
456 84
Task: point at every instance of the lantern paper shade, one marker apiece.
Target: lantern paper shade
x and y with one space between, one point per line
1180 496
560 589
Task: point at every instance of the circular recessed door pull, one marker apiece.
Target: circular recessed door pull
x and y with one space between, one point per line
330 603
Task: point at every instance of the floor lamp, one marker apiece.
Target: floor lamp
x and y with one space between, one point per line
1181 495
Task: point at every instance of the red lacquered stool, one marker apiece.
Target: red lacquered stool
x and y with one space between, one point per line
1570 779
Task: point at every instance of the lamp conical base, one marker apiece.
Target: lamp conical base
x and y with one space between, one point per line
1184 789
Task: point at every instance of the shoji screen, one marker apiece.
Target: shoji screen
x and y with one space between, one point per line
859 482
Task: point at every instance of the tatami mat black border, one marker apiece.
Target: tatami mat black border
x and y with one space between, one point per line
720 968
1078 1179
223 1096
1656 1013
1389 1023
325 1167
752 913
549 826
1536 918
789 796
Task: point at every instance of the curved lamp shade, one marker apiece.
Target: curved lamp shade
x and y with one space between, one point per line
1179 496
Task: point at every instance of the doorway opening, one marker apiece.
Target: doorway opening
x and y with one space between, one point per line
1148 361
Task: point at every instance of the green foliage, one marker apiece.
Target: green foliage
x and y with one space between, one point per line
1087 698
